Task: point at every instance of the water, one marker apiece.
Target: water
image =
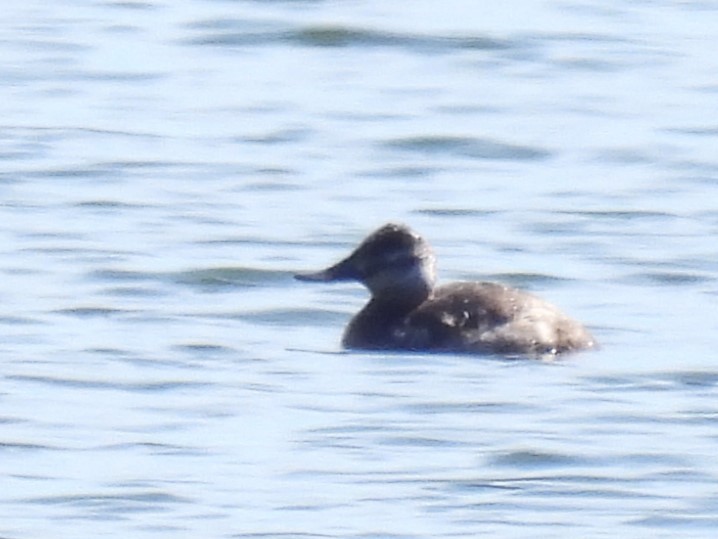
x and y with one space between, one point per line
166 167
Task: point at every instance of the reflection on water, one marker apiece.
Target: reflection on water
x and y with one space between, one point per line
165 169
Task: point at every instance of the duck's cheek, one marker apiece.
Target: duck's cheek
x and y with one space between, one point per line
381 282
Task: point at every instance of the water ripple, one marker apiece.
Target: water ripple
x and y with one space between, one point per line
222 277
217 278
665 278
241 33
88 312
531 459
24 446
104 384
116 503
292 317
455 212
475 148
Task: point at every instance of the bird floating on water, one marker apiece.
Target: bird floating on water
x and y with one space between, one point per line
408 312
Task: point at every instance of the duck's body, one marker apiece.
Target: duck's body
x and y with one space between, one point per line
406 311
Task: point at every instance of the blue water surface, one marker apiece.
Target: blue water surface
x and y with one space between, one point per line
165 167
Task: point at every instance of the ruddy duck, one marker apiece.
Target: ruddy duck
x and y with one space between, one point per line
406 311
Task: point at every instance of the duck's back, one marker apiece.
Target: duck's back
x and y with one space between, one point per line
490 317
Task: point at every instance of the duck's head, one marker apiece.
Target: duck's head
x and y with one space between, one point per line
393 262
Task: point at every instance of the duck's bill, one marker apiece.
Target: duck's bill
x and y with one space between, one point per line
343 271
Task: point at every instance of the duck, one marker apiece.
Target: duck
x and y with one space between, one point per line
407 311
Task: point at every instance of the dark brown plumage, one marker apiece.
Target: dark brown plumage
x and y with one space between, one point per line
406 311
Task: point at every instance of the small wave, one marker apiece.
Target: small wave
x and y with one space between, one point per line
242 33
205 347
475 148
693 378
670 278
110 500
281 136
535 459
86 312
420 441
528 279
454 212
19 321
79 383
343 36
206 278
293 317
620 215
120 275
24 446
223 277
106 204
441 408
